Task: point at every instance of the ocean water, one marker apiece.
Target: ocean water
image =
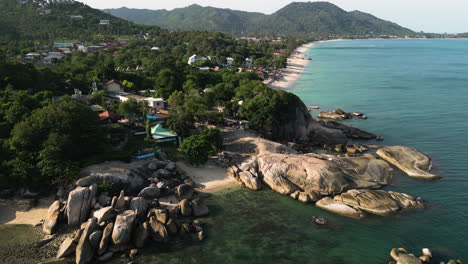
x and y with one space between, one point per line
415 93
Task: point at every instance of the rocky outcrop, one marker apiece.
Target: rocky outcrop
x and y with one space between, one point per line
79 203
52 217
301 127
401 256
323 174
356 203
128 222
349 131
413 163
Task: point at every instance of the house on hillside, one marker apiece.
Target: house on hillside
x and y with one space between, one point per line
248 63
104 22
78 17
113 86
194 58
155 103
229 61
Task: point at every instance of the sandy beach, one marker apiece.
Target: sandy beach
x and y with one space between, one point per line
296 66
209 177
12 213
297 63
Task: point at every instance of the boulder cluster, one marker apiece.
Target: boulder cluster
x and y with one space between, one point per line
401 256
342 185
123 224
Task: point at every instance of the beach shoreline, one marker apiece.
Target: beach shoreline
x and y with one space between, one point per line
296 65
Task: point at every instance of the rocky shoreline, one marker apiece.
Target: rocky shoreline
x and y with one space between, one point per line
94 226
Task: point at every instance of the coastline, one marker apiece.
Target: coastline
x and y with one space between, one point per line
295 67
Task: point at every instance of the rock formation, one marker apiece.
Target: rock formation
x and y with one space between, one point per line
350 132
413 163
302 128
337 114
79 203
356 203
127 222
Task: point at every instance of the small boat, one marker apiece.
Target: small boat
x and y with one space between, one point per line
314 107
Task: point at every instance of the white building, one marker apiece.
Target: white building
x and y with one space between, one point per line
155 103
248 63
194 58
229 61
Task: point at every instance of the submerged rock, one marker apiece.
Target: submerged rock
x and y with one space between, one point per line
413 163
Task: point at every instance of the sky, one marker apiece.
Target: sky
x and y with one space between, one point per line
436 16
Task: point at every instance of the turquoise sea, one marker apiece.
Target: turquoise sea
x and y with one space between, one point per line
415 93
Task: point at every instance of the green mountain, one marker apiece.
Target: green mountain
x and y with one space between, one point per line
304 18
27 21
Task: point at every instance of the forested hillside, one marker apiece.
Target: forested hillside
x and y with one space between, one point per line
310 18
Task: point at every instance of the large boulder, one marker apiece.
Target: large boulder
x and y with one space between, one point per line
185 208
150 193
354 202
199 208
322 174
141 235
402 257
105 214
131 177
250 180
105 239
139 205
184 191
286 171
339 208
158 230
95 238
52 218
84 249
412 162
67 248
122 232
79 203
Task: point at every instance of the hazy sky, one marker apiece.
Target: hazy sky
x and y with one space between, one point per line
427 15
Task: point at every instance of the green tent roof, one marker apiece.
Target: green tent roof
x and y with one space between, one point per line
159 132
